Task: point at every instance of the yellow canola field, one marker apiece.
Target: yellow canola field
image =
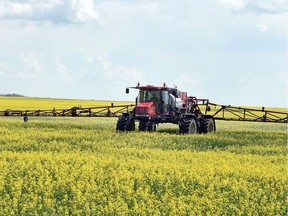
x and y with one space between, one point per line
32 103
82 166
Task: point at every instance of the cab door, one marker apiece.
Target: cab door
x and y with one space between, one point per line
165 101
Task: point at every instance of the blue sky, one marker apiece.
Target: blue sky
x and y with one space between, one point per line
230 51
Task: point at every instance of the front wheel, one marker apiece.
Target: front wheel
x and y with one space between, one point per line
125 123
143 125
151 126
147 126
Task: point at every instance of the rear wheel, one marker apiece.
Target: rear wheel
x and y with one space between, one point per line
193 128
188 126
182 126
207 125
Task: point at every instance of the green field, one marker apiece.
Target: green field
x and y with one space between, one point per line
82 166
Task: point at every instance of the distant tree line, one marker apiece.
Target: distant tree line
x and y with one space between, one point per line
12 95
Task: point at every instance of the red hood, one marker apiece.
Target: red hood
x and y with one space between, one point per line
146 104
146 108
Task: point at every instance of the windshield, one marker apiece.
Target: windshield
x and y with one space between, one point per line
149 95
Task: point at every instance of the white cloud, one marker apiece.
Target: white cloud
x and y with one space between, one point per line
31 64
234 4
71 11
262 27
89 59
62 73
189 81
113 12
26 10
79 11
121 6
281 77
32 61
4 71
65 11
256 6
117 73
130 73
31 67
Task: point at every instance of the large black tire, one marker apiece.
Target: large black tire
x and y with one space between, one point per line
188 126
125 123
193 127
130 124
183 126
143 125
122 123
25 118
151 126
207 125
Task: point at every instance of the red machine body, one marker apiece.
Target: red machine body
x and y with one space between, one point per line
162 104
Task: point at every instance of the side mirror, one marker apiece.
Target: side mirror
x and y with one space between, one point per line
127 90
208 108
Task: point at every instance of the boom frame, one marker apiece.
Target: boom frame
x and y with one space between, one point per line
233 113
220 112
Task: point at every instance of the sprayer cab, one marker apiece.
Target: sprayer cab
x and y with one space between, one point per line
154 102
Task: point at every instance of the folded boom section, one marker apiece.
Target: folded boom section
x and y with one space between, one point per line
233 113
219 112
97 111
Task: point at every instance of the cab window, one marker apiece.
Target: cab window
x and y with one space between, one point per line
149 95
